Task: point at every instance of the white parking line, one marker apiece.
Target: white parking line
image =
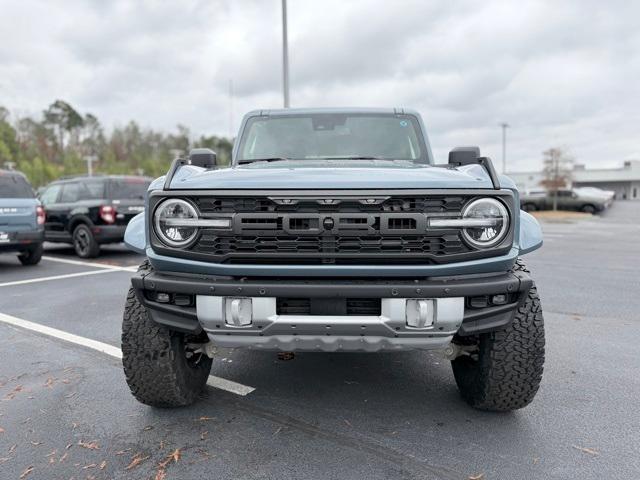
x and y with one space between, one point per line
89 264
213 381
57 277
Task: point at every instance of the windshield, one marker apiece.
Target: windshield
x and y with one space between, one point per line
14 186
132 188
329 135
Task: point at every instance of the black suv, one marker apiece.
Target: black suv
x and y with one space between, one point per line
90 211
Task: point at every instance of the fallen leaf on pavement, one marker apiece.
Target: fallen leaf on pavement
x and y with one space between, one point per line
122 452
205 419
1 430
90 445
35 444
103 464
136 460
480 476
91 465
161 474
173 456
590 451
26 472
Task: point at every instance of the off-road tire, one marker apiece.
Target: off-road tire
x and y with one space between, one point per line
84 243
155 364
31 256
506 371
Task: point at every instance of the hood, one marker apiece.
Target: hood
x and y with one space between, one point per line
333 174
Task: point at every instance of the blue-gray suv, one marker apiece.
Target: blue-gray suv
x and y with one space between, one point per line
21 218
334 230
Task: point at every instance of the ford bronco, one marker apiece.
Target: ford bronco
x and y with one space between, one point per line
21 218
334 230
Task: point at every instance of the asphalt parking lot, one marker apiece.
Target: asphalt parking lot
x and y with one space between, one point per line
66 412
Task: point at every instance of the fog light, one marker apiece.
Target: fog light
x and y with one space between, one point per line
420 313
479 302
499 299
182 300
238 312
163 298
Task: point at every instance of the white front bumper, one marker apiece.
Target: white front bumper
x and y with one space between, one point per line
222 319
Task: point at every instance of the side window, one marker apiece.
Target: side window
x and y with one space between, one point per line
90 190
70 193
50 195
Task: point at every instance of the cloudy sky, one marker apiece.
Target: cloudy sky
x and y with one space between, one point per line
560 73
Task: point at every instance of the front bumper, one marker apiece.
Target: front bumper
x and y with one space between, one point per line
453 312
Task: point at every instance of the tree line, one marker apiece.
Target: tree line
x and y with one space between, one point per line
60 142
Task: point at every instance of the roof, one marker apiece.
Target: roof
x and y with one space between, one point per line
311 111
97 176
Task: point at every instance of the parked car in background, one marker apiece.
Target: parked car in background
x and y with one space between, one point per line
595 191
21 218
90 211
576 199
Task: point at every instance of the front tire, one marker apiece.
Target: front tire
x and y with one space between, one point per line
589 209
155 361
31 256
84 243
505 372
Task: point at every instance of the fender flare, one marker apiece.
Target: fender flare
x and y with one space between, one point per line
135 236
530 233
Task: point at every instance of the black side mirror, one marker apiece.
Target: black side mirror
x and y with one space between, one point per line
464 156
203 157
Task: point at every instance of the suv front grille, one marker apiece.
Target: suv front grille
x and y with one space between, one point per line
347 229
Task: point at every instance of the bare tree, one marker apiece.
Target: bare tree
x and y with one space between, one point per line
557 170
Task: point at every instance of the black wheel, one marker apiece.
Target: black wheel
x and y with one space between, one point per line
31 256
529 207
84 242
588 209
159 368
505 372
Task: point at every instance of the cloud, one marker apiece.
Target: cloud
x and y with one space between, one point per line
560 73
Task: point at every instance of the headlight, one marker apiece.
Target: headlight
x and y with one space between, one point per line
487 220
174 222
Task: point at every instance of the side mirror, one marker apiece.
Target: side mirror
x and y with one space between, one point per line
464 156
203 157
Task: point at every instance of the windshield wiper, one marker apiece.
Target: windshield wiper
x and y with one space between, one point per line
244 161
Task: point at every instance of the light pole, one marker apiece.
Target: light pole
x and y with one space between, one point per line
285 55
504 146
90 159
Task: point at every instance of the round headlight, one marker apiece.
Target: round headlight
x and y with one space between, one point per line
171 221
492 222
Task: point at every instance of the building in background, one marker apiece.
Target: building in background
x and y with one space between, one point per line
624 181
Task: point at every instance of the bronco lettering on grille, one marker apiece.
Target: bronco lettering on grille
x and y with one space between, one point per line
344 224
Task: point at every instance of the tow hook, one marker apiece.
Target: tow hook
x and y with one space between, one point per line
209 349
453 350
